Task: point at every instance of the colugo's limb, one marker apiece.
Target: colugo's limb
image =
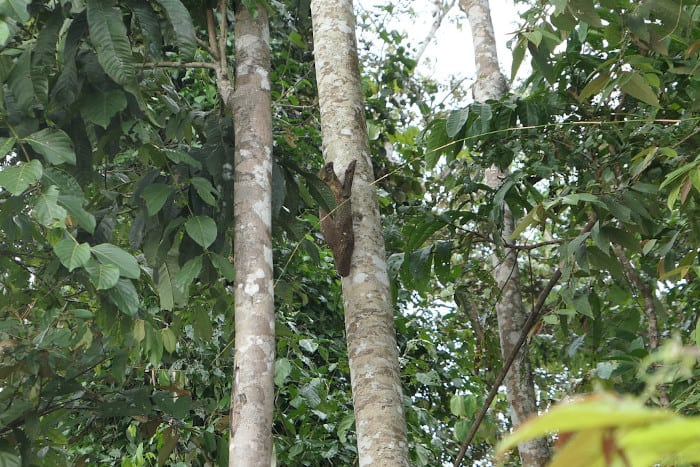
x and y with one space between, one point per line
336 227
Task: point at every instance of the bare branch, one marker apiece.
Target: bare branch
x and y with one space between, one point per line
211 66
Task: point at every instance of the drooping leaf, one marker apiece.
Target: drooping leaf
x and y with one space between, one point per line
183 28
53 144
71 253
201 229
18 178
109 37
636 86
169 339
106 253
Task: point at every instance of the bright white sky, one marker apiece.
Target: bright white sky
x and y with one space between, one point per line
450 53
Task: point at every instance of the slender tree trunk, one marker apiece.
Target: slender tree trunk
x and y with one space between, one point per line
369 323
491 84
252 398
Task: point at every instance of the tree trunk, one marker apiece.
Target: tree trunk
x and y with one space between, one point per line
369 324
491 84
252 398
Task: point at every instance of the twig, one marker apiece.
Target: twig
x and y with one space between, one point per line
211 66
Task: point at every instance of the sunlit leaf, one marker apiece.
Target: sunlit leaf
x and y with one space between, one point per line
71 253
53 144
102 276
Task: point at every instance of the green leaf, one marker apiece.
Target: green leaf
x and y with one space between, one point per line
74 206
456 120
155 196
54 145
169 339
100 107
636 86
46 210
71 253
201 229
205 190
168 292
20 177
107 253
223 265
594 86
15 9
183 28
102 276
181 157
188 273
283 368
109 37
125 297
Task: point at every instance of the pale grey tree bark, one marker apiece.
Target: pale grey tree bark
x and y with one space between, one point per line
252 398
511 316
369 323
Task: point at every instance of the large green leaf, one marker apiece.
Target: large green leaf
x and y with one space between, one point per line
107 253
15 9
155 196
201 229
125 297
71 253
108 35
20 177
636 86
182 26
47 211
100 107
53 144
103 276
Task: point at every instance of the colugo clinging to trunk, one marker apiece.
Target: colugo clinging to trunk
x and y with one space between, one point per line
336 226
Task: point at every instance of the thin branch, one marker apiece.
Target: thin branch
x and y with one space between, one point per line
211 66
533 246
211 33
223 31
532 319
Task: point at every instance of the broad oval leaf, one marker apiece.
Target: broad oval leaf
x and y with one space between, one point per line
54 145
169 339
20 177
155 196
201 229
47 211
71 253
102 276
106 253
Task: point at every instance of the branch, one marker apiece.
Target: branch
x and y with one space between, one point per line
211 33
211 66
223 31
532 319
533 246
